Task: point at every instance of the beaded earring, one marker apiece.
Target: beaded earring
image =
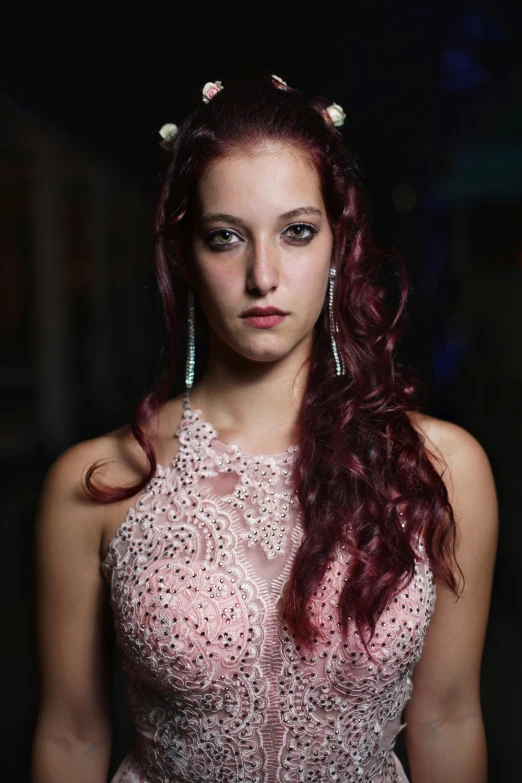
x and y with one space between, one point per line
339 364
191 348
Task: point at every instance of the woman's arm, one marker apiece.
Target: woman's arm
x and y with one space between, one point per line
72 740
445 733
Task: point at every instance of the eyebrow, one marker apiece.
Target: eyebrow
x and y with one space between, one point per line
222 217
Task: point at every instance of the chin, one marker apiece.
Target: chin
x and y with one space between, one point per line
257 352
265 356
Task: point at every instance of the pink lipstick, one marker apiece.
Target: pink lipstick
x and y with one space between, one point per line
263 317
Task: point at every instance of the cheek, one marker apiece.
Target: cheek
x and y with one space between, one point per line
308 277
218 286
308 274
312 295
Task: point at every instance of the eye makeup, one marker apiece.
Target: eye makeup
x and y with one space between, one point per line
222 238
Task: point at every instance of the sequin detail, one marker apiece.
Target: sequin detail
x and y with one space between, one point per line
218 688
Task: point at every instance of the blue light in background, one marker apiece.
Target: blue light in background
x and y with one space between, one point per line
473 26
445 355
460 71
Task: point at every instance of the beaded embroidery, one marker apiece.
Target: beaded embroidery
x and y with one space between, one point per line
218 688
265 506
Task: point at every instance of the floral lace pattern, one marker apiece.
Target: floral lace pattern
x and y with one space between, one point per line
218 688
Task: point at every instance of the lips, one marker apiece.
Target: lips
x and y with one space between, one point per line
264 321
262 311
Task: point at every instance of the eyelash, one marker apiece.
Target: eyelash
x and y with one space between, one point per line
295 241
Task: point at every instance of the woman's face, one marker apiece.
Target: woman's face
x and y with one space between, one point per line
261 238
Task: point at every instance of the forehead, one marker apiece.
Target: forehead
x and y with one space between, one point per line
271 177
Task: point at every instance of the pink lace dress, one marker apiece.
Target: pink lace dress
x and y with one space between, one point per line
218 689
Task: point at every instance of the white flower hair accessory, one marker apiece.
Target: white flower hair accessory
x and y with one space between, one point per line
336 114
169 131
210 90
279 83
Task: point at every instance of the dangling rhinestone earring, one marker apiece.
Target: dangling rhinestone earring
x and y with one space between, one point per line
339 364
191 349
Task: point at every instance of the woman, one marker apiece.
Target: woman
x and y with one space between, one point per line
271 539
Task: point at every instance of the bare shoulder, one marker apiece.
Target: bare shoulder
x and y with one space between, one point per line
117 454
66 507
463 465
67 512
450 446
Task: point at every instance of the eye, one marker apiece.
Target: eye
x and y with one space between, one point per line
300 233
221 238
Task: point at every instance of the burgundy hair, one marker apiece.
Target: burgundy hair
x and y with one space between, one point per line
360 461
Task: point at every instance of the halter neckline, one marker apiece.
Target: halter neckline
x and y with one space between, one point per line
221 446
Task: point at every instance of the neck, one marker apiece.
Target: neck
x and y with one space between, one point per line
258 399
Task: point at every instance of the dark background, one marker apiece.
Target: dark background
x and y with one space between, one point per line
433 97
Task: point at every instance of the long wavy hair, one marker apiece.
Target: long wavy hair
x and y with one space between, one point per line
363 474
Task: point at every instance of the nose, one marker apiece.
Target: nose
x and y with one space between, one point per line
262 274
